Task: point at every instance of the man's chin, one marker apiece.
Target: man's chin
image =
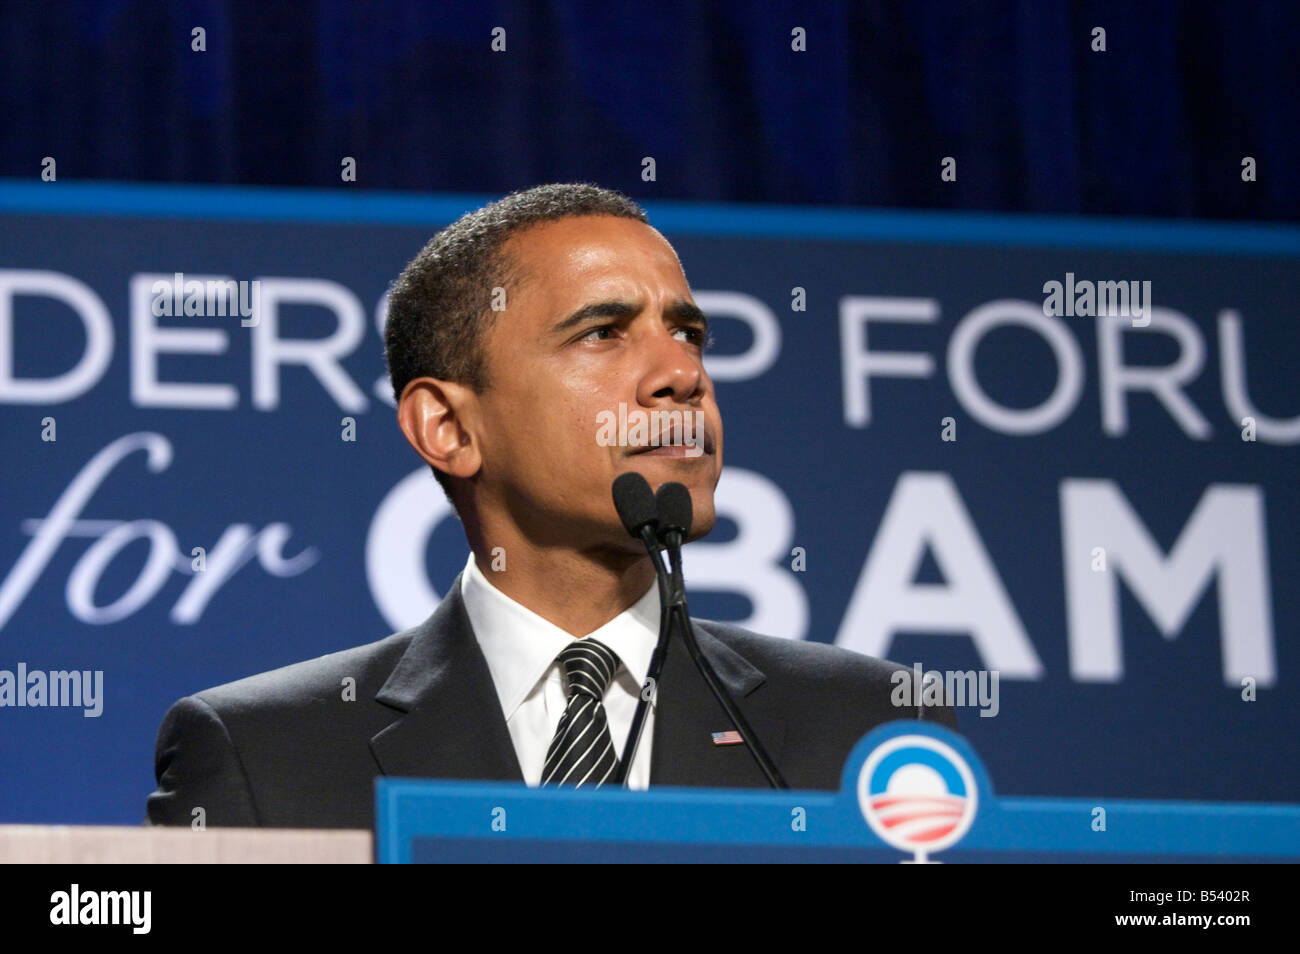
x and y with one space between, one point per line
700 532
702 521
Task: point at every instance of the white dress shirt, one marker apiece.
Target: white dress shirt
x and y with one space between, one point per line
520 648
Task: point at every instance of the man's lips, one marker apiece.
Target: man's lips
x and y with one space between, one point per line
670 443
675 451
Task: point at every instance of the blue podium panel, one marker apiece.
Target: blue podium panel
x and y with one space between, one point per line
910 791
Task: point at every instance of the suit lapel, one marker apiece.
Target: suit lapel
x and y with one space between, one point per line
687 715
452 726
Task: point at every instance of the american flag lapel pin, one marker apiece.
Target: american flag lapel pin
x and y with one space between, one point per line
730 737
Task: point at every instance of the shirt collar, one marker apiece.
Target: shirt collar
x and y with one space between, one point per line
520 645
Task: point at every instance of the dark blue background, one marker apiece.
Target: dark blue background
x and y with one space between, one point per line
1156 125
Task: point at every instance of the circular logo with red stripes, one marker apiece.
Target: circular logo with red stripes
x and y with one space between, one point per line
917 794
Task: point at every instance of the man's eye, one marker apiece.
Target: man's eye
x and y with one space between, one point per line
596 331
698 337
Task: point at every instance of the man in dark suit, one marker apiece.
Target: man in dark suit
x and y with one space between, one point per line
511 337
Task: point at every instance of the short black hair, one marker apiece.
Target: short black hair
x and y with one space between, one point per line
439 309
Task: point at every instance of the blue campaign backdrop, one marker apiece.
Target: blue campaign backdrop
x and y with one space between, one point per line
921 464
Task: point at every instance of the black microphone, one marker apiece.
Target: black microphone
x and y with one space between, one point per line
673 503
675 515
635 503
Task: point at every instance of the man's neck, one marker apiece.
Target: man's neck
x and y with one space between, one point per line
572 590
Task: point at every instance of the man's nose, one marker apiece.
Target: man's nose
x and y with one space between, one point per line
671 370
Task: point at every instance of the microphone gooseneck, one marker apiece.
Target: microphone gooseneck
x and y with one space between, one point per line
675 515
662 521
635 503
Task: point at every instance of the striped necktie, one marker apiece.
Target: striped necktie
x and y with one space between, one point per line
582 752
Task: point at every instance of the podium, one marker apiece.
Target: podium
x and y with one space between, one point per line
910 791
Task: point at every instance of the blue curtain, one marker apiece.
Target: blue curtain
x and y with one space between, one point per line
1158 124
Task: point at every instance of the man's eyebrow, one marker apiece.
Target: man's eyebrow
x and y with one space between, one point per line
680 309
683 310
599 309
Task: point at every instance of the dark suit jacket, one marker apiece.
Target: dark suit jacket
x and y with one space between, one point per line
285 749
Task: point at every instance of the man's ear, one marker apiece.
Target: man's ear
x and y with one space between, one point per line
433 416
